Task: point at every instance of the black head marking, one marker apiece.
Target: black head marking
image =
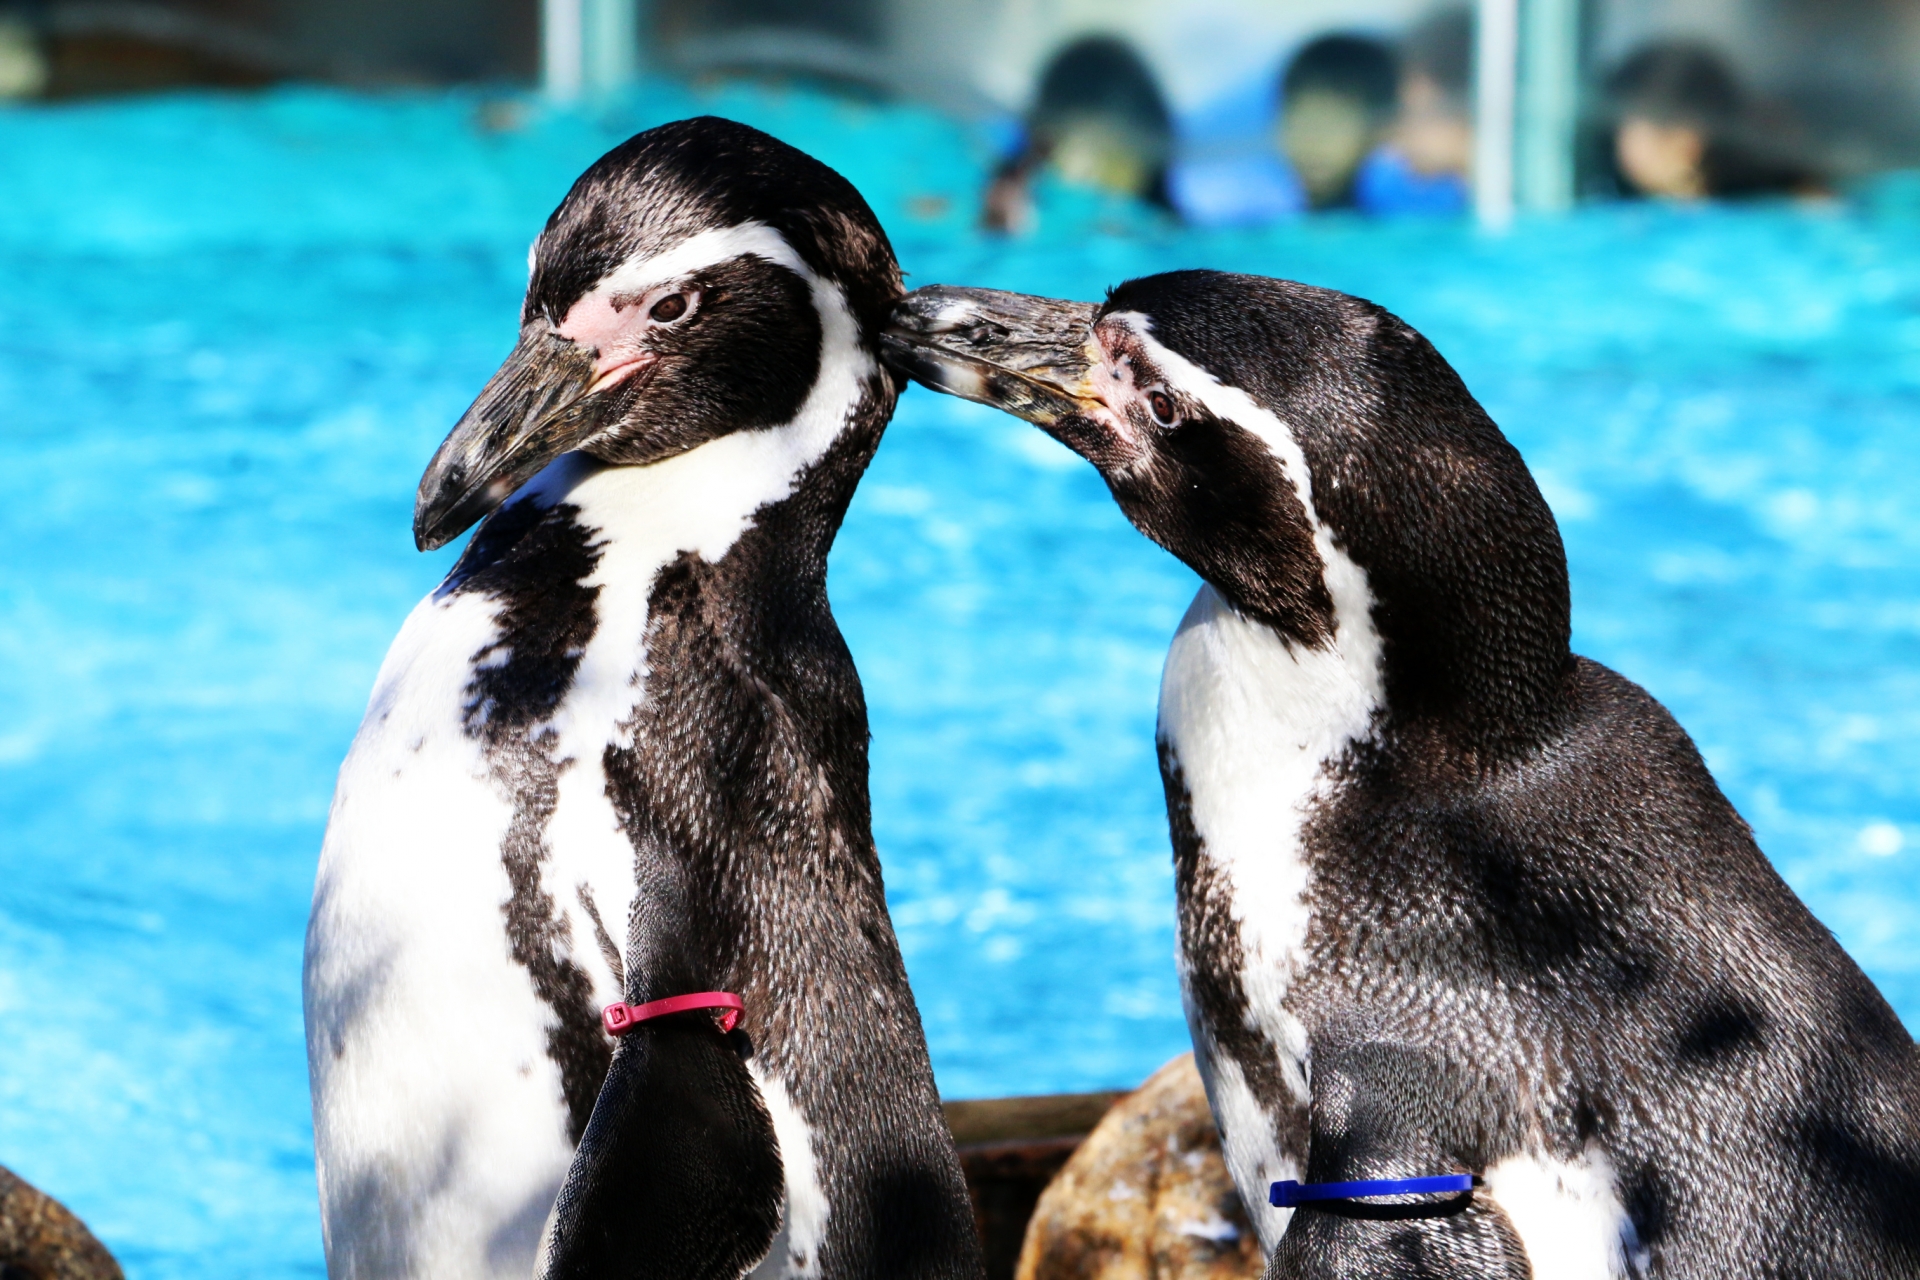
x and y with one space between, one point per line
634 368
1191 393
677 180
1415 482
746 359
1213 493
738 345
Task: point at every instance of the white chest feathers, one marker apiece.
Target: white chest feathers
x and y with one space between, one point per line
440 1126
1568 1216
1252 722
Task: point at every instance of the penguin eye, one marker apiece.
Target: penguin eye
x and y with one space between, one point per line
1160 404
669 308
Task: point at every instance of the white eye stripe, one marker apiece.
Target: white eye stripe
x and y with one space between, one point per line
640 276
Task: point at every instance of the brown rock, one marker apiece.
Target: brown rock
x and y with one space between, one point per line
1010 1149
1146 1197
41 1240
1006 1179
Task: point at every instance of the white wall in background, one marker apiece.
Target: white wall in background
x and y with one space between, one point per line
1622 25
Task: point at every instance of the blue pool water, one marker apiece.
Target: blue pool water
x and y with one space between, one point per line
232 330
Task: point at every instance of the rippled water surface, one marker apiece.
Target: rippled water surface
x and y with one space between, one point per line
232 330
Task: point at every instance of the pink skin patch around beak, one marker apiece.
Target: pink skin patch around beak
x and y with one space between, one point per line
1113 381
616 335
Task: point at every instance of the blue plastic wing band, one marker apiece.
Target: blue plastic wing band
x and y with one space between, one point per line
1285 1195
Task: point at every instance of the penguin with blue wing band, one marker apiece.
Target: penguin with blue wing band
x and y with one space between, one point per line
1451 899
618 758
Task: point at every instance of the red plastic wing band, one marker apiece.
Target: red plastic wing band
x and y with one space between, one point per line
619 1019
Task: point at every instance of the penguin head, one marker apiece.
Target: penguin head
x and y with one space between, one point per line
1307 453
692 283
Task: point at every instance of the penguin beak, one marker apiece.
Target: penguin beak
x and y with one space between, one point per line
1029 356
530 412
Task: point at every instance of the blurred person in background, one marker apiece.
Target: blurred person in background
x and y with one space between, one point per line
24 71
1098 120
1337 100
1426 164
1351 126
1684 129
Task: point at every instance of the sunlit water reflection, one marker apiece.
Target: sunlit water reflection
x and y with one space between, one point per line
231 332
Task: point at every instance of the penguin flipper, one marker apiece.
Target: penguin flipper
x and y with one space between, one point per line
1474 1243
1395 1111
678 1175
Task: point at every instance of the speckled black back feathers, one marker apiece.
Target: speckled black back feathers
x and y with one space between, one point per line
1536 929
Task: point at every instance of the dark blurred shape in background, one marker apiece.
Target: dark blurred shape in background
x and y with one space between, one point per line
1841 69
1427 163
1684 128
1098 120
89 47
1775 95
1336 100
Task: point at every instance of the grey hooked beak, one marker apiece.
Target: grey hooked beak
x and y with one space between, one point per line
1029 356
530 412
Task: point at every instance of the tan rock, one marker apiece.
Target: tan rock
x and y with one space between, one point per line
1146 1197
41 1240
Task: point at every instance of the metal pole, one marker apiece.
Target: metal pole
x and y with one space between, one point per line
613 44
563 60
588 48
1496 47
1549 104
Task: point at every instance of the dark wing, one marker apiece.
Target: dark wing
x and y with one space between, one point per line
678 1176
1394 1111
